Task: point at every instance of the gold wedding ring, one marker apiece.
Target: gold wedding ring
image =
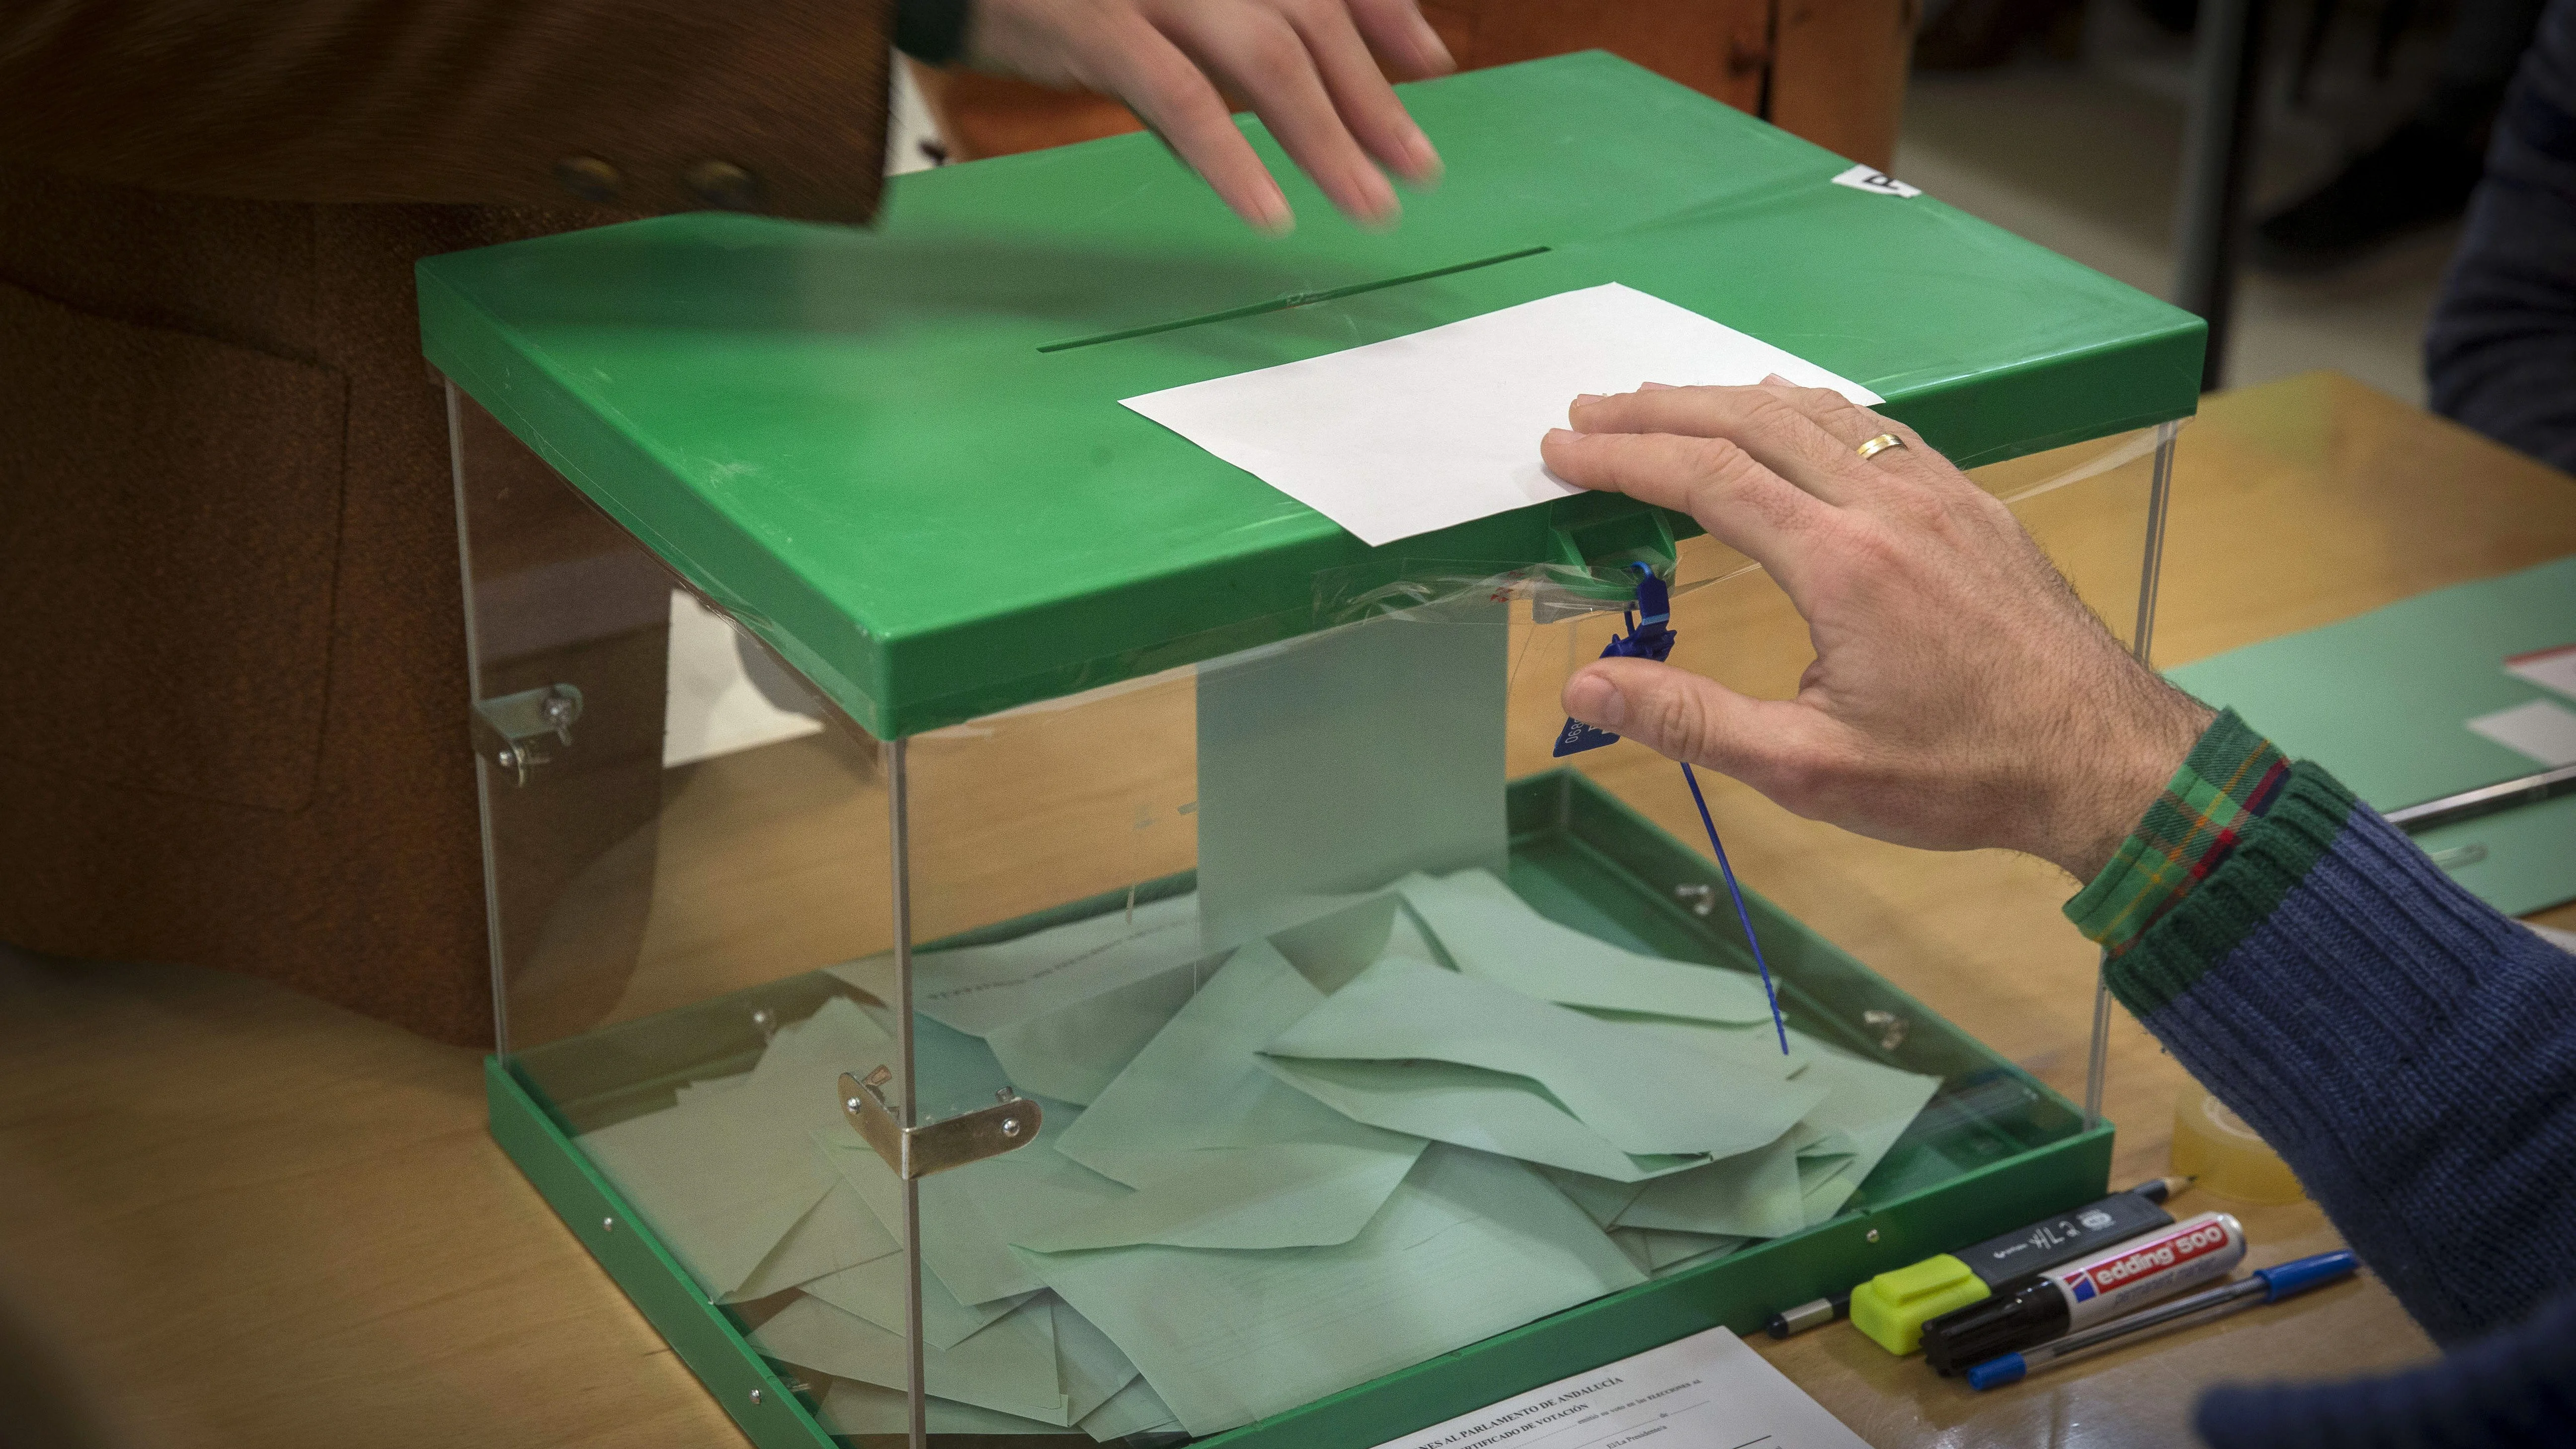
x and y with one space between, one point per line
1880 444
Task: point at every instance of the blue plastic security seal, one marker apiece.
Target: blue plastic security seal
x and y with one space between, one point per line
1994 1373
1650 636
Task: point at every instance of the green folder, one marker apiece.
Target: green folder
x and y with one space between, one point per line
2382 701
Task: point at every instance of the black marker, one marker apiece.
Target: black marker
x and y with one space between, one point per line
2027 1250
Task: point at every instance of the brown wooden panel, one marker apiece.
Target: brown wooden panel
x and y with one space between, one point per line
1838 73
1716 47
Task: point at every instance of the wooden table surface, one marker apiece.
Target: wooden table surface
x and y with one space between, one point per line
237 1217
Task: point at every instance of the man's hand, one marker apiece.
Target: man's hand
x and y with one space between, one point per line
1961 696
1304 66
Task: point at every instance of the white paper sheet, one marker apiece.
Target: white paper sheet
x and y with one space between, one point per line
1417 433
2548 668
2542 729
1707 1391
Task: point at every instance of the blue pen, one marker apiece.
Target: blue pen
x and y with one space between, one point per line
2263 1285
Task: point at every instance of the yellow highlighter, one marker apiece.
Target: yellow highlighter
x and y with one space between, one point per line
1893 1307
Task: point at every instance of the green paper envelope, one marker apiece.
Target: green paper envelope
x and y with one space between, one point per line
855 1408
1493 935
1009 1367
1285 1195
1544 1079
980 989
969 1215
714 1181
836 1234
1135 1409
1199 1083
874 1291
1468 1246
1340 761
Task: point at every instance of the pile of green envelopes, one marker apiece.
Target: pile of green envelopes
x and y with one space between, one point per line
1415 1120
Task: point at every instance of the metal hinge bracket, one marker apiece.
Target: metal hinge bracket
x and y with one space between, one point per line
519 732
1009 1124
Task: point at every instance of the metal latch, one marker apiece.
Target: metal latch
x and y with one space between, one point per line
1010 1123
512 731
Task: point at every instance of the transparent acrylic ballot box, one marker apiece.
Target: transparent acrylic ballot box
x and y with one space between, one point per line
1004 925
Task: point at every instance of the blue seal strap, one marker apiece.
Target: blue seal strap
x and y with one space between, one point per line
1650 636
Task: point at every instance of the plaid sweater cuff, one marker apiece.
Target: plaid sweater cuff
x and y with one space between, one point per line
2230 778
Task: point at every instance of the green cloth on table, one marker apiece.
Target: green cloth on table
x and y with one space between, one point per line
2383 701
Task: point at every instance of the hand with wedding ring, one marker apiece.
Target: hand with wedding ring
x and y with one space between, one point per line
1961 696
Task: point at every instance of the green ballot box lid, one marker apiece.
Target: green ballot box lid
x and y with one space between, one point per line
898 453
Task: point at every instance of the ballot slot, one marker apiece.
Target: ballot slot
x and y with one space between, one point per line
1303 297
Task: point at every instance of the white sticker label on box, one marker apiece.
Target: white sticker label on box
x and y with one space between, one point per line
1870 178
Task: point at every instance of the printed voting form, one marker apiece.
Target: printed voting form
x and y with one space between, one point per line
1707 1391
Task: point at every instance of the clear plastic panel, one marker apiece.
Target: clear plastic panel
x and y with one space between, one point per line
1270 942
680 835
1275 1023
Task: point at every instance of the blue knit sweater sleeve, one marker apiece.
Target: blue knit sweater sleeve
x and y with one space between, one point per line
2412 1054
2501 353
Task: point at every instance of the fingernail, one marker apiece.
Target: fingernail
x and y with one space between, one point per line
1274 216
1562 435
1595 701
1422 159
1379 206
1654 387
1430 51
1772 377
1581 398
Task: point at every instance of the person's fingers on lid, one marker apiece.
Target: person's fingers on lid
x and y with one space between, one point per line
1758 418
1359 90
1397 30
1257 52
1173 96
1741 503
1781 748
1848 421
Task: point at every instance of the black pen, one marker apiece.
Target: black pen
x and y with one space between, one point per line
2041 1245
